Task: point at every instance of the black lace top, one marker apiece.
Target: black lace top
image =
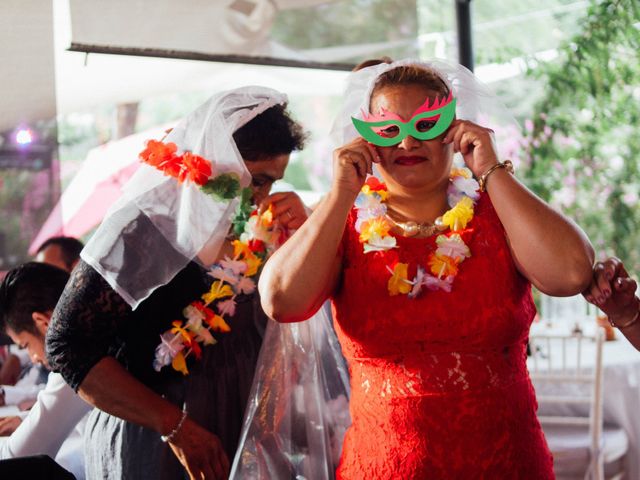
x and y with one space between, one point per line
92 321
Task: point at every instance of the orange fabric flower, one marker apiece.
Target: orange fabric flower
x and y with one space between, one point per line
179 364
218 324
158 153
376 225
398 282
443 266
195 168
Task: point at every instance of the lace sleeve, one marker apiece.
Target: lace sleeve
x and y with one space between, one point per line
85 325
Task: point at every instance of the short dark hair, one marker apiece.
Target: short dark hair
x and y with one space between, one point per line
271 133
31 287
69 246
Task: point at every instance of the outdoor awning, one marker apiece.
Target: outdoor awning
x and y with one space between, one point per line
317 33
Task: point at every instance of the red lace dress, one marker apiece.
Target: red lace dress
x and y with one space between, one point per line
439 385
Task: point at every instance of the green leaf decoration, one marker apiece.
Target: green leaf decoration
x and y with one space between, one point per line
243 212
223 187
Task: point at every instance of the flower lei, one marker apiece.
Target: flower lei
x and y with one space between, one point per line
191 167
258 237
373 226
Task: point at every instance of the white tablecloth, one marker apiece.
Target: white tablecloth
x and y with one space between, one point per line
621 382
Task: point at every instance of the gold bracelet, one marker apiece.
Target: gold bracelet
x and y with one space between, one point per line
630 322
482 181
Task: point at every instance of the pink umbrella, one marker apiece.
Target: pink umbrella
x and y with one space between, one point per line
95 187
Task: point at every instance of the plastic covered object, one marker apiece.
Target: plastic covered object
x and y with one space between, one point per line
298 409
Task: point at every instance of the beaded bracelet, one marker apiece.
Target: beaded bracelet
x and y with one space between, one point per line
482 181
174 432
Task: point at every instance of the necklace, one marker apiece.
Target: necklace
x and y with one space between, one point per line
412 229
441 266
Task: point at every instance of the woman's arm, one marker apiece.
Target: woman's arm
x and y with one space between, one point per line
304 271
79 338
548 248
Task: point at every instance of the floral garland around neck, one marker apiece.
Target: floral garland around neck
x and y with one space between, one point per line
257 237
374 226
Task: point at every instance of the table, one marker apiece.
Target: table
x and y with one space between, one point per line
621 387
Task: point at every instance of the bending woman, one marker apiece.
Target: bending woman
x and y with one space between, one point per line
429 276
145 331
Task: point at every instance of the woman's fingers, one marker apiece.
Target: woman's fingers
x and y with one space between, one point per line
375 154
448 138
625 285
604 285
594 294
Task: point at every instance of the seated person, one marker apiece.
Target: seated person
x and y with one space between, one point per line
10 367
61 252
31 380
28 296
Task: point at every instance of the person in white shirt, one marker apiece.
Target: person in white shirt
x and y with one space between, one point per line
28 295
64 253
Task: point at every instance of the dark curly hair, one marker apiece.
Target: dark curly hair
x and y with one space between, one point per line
31 287
271 133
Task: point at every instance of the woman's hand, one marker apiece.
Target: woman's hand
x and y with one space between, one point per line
613 291
475 143
200 452
287 208
351 164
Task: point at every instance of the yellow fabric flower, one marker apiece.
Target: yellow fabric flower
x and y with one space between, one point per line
460 172
377 225
398 282
382 193
218 290
179 329
266 219
240 248
253 264
458 217
443 266
179 364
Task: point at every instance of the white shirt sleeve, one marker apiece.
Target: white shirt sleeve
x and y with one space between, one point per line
14 394
55 414
21 353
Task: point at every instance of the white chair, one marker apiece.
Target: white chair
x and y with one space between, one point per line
569 395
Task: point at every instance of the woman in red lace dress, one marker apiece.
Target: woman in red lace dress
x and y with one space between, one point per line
430 282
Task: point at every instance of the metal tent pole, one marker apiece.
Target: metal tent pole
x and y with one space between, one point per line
465 34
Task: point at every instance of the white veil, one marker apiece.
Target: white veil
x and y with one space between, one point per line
475 100
159 225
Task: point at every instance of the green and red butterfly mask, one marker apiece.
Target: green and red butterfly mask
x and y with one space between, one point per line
427 122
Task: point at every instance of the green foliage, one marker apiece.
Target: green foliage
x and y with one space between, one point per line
244 211
223 187
584 148
354 22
